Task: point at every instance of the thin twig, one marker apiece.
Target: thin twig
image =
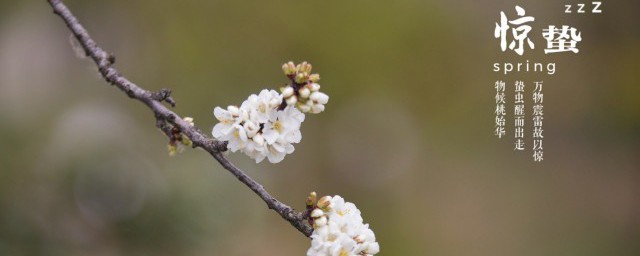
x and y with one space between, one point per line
167 118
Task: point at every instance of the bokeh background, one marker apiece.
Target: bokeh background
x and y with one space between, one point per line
407 134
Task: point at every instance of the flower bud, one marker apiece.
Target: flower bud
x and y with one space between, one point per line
292 100
324 202
287 92
301 77
289 68
304 108
189 120
316 213
304 92
186 141
172 149
304 67
319 97
314 87
312 199
315 109
314 78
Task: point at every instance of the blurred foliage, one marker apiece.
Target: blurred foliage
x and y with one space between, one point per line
407 134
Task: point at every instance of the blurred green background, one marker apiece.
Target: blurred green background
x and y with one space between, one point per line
407 134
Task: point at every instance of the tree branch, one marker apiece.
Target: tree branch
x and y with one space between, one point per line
167 119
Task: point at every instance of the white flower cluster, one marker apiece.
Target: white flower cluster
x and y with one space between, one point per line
258 129
304 91
339 230
268 124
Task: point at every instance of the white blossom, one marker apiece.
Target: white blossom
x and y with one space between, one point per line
284 125
339 231
236 138
226 121
267 125
258 128
255 148
261 106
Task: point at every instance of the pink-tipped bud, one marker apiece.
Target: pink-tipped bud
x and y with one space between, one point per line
314 87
